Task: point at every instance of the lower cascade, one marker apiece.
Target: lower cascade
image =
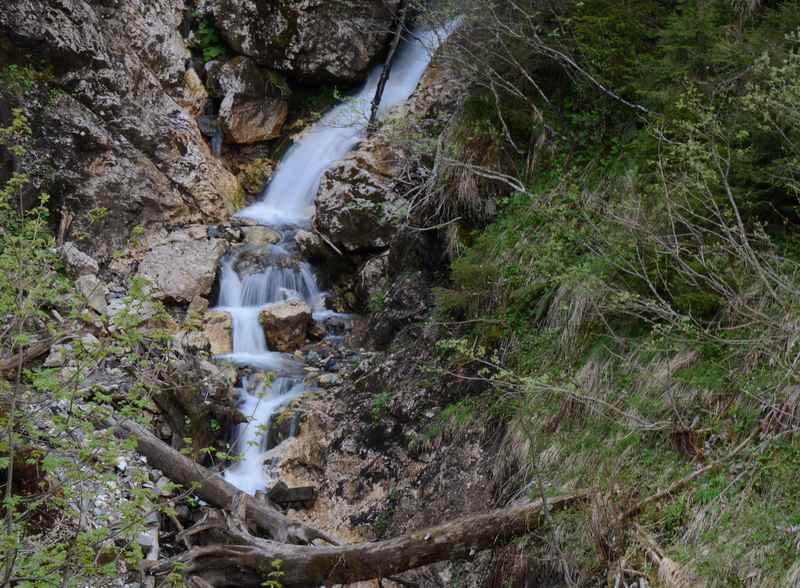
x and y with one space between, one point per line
275 378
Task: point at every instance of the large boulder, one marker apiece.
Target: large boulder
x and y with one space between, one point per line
357 207
183 265
119 136
253 106
309 40
286 324
361 205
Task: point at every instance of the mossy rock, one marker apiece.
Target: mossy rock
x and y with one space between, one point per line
253 176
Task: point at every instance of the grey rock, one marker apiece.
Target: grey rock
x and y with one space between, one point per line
183 266
94 291
77 262
121 137
310 40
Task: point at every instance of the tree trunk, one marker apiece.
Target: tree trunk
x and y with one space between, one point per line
250 560
212 488
387 67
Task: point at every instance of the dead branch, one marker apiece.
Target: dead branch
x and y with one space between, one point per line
22 358
248 560
215 490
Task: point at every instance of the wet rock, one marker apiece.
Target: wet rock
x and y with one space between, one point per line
259 235
76 261
310 40
285 324
183 265
94 291
253 107
218 329
361 205
372 277
311 245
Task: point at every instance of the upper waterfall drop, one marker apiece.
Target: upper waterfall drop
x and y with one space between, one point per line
289 197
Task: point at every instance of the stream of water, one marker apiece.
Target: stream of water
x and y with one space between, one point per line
286 204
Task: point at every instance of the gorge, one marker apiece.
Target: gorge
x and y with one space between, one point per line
399 293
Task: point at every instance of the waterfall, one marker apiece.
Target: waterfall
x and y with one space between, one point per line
288 202
259 404
289 197
216 142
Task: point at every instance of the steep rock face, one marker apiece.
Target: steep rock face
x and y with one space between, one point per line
311 40
118 140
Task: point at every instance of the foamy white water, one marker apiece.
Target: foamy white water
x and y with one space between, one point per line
288 201
289 197
259 405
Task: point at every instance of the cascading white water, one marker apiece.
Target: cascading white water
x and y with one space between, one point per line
259 405
289 197
288 202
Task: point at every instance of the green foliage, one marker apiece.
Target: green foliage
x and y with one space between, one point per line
377 302
53 448
21 79
275 575
380 405
637 300
387 514
208 40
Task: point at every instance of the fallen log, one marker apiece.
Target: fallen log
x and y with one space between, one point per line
248 560
214 489
35 351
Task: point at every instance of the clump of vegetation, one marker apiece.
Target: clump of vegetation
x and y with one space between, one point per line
19 79
59 458
209 41
380 405
635 296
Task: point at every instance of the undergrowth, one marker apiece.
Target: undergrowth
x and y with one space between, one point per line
636 302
